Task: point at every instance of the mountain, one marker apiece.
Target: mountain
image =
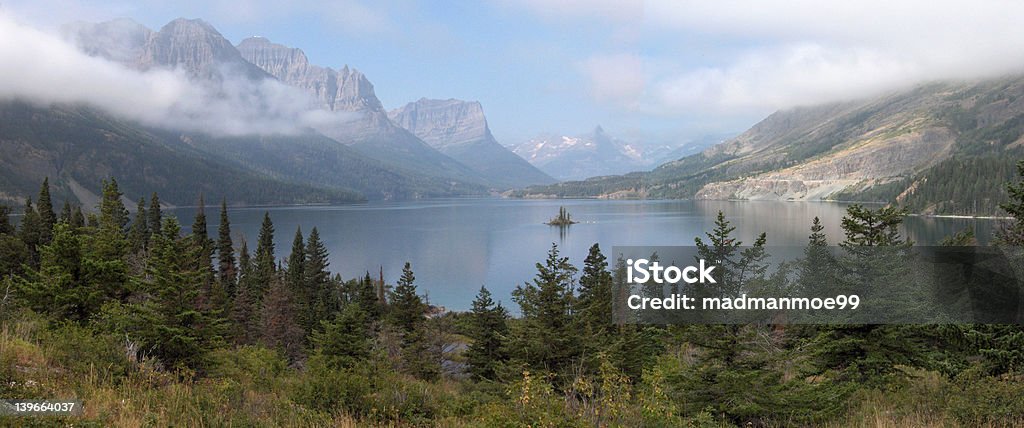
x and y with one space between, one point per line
382 161
573 158
938 148
459 129
348 90
78 147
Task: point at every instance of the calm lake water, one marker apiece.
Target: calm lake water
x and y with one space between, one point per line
457 245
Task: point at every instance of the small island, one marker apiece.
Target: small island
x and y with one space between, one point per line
562 219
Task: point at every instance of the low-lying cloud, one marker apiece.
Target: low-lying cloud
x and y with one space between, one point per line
44 69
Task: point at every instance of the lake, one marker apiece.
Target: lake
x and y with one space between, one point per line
457 245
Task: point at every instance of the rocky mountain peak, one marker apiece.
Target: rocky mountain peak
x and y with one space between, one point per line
197 47
443 122
337 90
122 40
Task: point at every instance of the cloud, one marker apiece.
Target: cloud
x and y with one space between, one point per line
42 68
616 78
780 53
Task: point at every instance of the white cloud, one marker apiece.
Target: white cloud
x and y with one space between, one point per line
616 78
783 53
43 69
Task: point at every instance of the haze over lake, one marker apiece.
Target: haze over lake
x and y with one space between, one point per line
457 245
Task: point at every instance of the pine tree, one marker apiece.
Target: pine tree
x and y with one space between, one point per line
366 297
344 341
30 233
264 263
488 329
325 301
184 333
111 240
544 339
227 272
595 295
138 235
65 213
279 318
1012 234
407 314
245 308
47 218
155 215
77 218
6 228
295 280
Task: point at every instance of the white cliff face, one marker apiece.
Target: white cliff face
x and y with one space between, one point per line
459 129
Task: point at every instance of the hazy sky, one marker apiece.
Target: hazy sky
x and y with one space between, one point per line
639 68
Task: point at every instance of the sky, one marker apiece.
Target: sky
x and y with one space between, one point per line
665 70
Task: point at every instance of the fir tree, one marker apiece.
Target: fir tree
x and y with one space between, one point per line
407 314
155 215
77 218
65 213
138 235
47 218
323 290
344 341
280 327
264 264
545 339
112 241
245 308
1012 234
295 280
30 232
488 330
226 269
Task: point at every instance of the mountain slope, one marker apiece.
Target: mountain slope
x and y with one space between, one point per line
574 158
459 129
77 147
370 131
889 148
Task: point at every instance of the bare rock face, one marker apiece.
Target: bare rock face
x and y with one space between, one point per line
459 129
334 90
442 123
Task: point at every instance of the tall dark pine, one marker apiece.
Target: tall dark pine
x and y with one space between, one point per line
280 327
30 232
138 235
325 298
407 314
488 329
77 218
155 215
245 309
595 294
295 277
264 264
545 340
47 218
1013 233
226 270
65 213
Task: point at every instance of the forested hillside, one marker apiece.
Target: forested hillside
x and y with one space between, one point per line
152 326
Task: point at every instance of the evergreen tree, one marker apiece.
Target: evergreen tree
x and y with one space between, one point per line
488 329
30 233
295 280
545 339
13 252
595 295
323 290
264 263
1012 234
279 317
155 215
226 269
245 308
47 218
6 228
111 242
200 233
77 218
138 235
183 333
65 213
344 341
407 314
366 297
